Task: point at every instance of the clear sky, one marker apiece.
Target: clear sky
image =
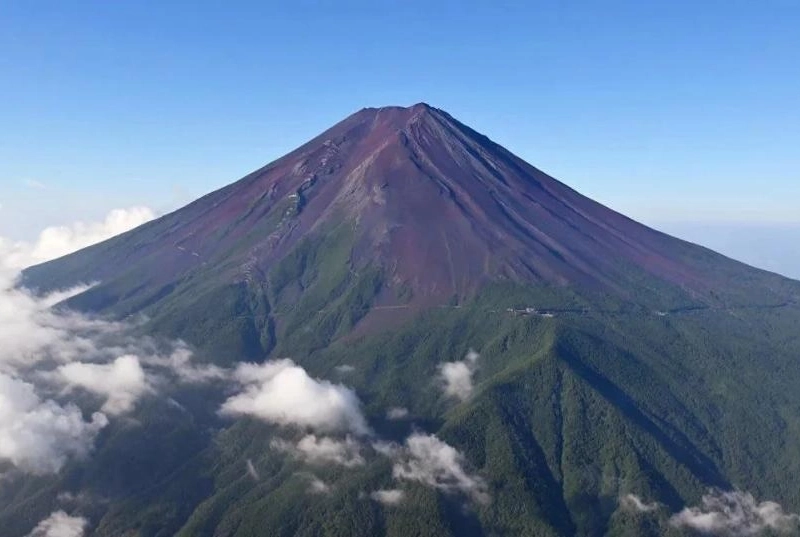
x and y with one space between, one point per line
678 111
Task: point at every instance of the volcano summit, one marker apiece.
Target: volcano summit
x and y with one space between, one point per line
439 209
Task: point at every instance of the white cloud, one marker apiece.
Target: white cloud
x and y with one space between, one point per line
736 514
282 392
39 436
57 241
251 470
121 382
41 345
324 450
635 503
344 369
397 413
317 485
388 496
32 331
430 461
456 377
180 363
84 499
387 449
39 342
60 524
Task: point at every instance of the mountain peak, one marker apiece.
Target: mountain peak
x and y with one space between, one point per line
437 208
387 120
413 109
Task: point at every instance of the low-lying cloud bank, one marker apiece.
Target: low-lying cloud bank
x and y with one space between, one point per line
39 436
60 524
50 354
33 331
736 514
47 352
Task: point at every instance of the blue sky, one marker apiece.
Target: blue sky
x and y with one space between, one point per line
667 111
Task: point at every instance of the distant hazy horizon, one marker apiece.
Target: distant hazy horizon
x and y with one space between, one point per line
773 247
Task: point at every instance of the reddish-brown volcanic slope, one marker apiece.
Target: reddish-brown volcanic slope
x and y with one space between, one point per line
446 208
439 206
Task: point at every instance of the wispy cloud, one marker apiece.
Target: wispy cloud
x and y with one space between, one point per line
736 514
251 470
317 485
60 524
33 183
180 363
388 496
386 448
397 413
428 460
633 502
323 450
456 377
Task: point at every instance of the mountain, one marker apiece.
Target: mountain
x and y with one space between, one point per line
614 359
413 183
